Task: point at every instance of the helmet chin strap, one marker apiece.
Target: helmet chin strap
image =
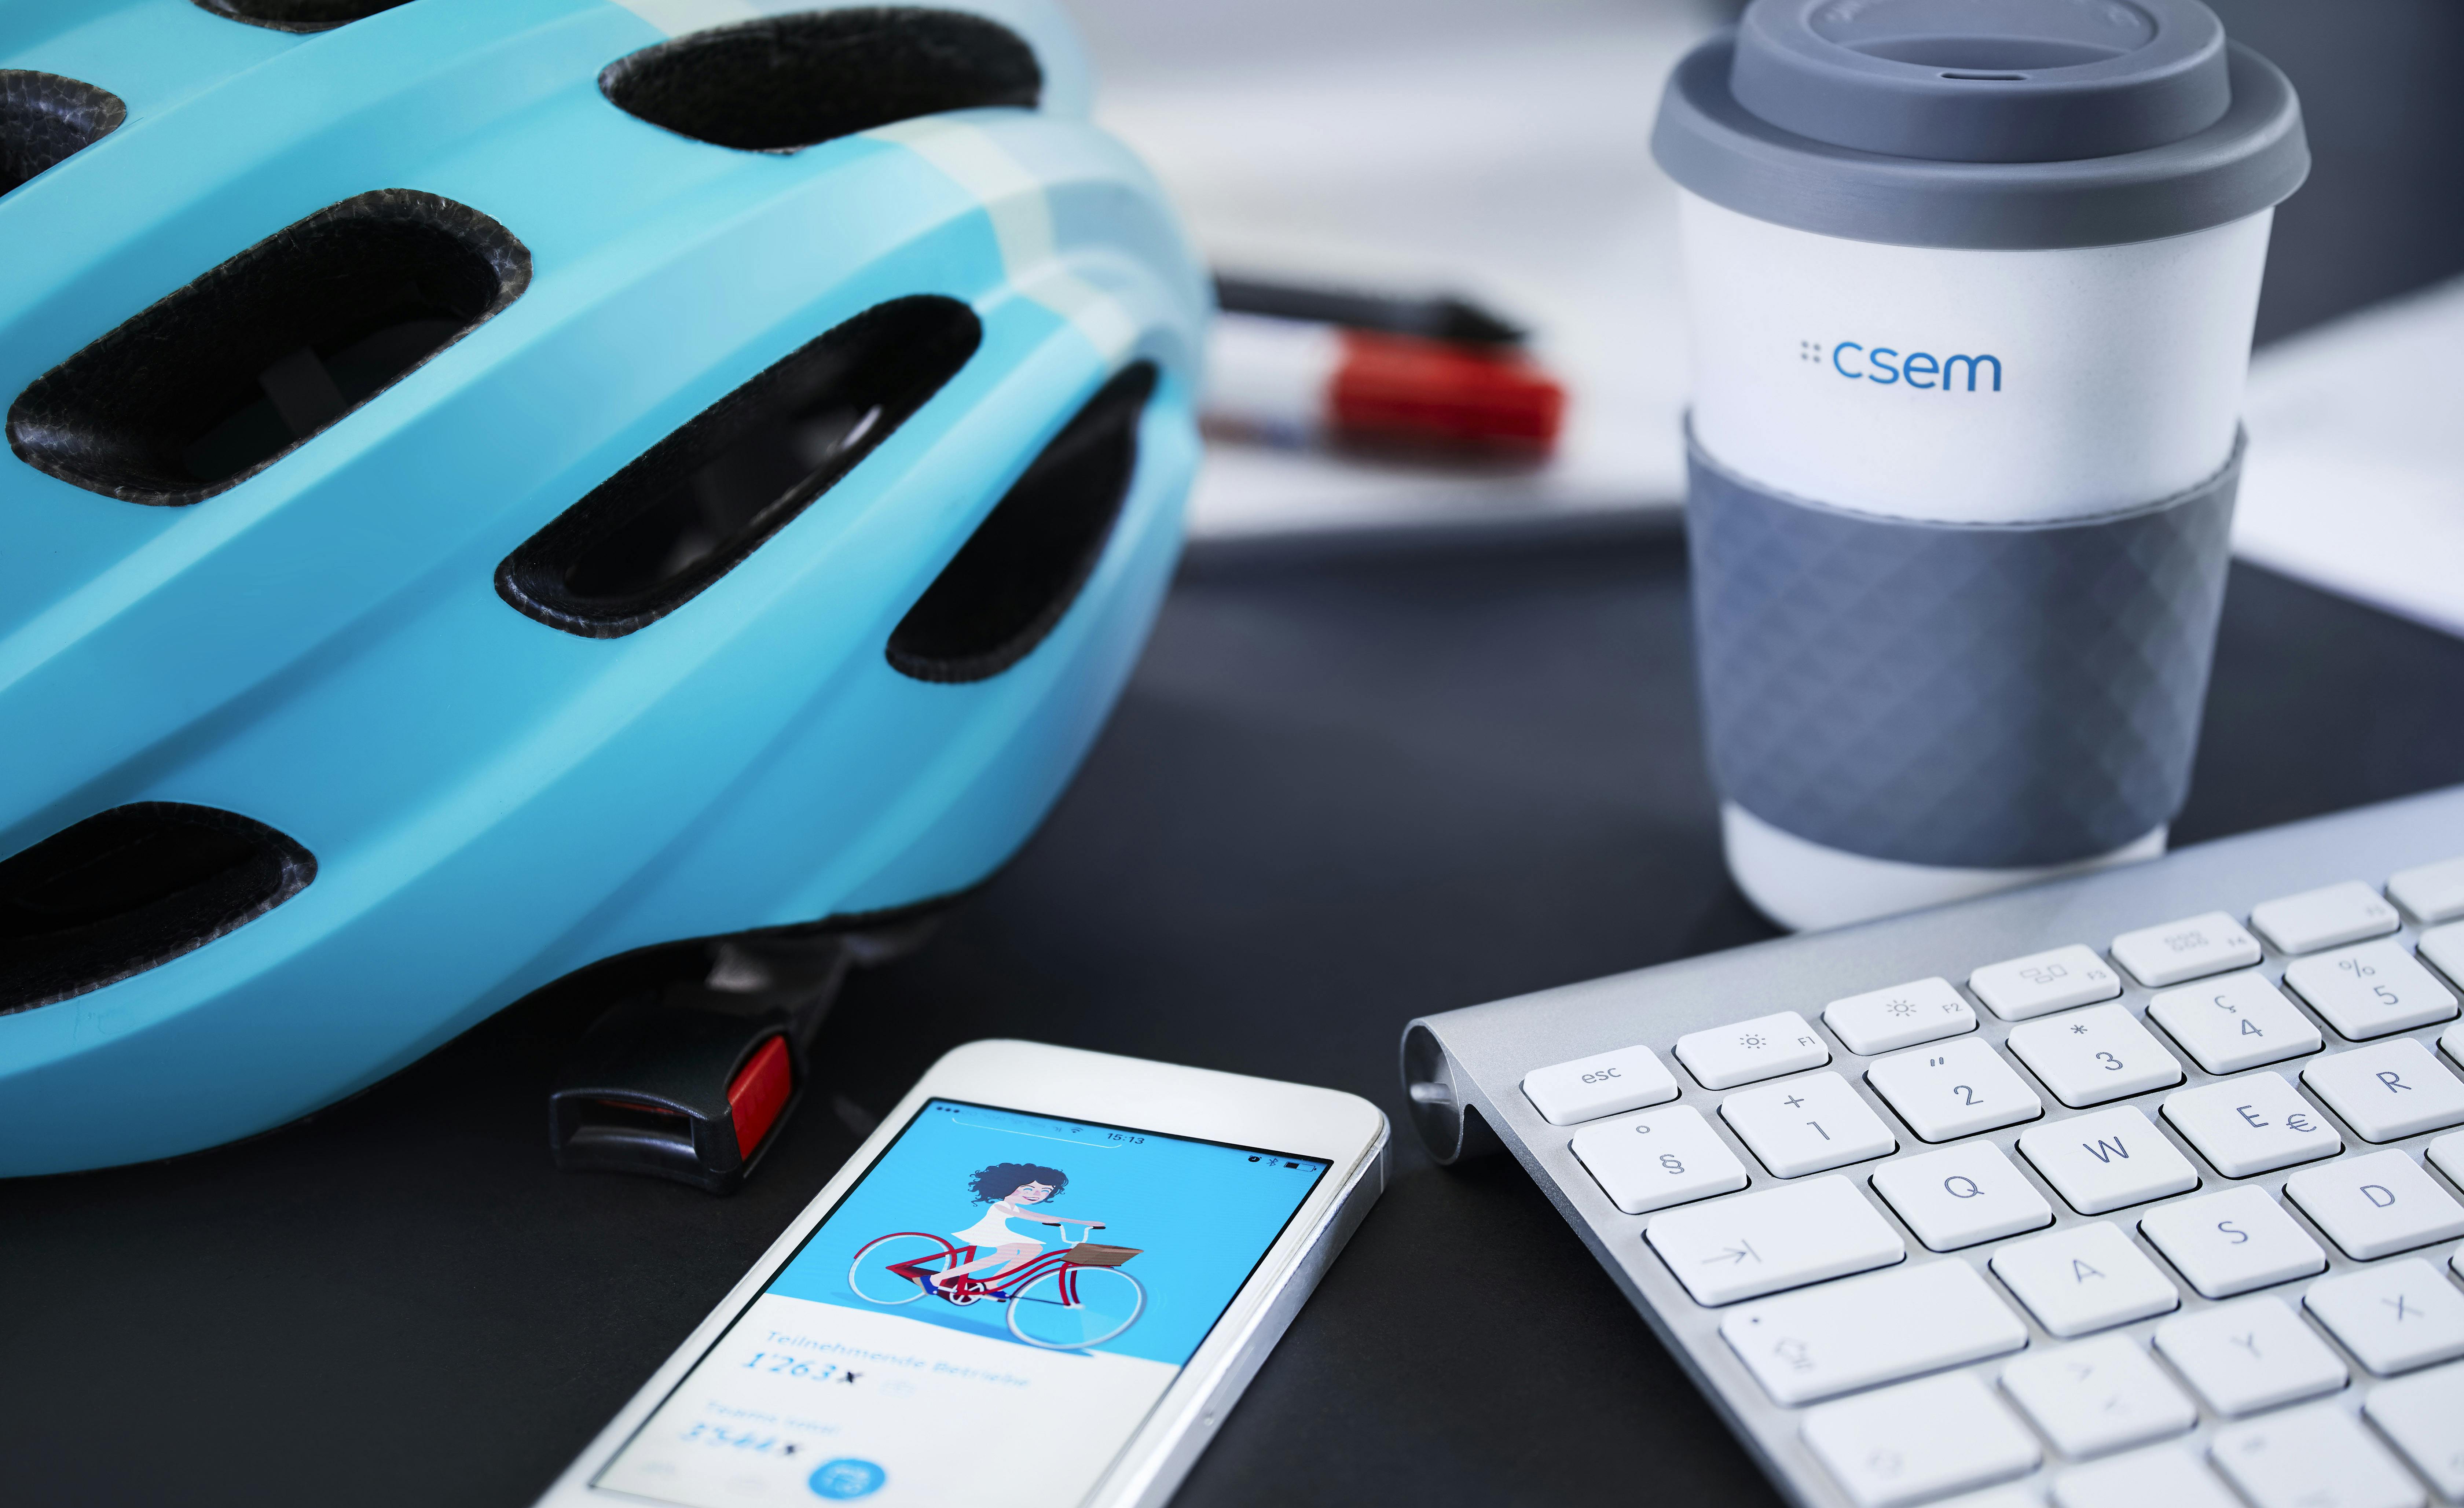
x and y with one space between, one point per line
690 1072
691 1079
803 973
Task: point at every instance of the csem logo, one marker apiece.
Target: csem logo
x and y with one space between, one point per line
1883 365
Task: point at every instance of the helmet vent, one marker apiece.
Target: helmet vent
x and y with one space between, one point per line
684 513
787 83
297 15
132 887
1010 584
225 377
45 118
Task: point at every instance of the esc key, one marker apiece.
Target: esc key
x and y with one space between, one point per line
1609 1083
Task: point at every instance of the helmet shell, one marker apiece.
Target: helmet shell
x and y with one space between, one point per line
322 646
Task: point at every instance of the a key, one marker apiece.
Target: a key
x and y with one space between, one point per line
1657 1158
2231 1242
2094 1056
1757 1244
1919 1440
2248 1356
2371 990
2323 918
2236 1022
1762 1048
2312 1459
2452 1042
2255 1124
2388 1090
2419 1414
1961 1195
2395 1317
1808 1125
2444 946
2168 1476
2190 948
1900 1016
1823 1342
1607 1083
2433 892
2107 1161
2086 1279
2098 1396
1954 1089
2376 1206
2042 983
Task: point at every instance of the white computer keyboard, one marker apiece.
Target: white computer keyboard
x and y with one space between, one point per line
2134 1190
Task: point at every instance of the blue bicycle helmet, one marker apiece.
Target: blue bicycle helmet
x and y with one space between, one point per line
495 484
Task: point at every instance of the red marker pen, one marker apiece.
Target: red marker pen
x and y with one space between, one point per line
1296 382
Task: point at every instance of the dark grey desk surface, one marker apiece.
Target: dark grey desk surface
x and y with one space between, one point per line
1350 784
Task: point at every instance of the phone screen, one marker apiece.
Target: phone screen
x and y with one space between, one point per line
986 1317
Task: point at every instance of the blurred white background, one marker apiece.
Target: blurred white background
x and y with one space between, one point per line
1500 148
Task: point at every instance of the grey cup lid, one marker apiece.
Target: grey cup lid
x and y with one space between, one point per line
1987 124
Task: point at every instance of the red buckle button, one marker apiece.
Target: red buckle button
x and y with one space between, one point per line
758 1093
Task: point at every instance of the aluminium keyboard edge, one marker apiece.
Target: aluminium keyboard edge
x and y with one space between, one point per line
1474 1059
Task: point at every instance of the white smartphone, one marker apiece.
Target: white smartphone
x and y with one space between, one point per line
1041 1281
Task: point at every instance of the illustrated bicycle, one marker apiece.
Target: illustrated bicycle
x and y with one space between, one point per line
1062 1300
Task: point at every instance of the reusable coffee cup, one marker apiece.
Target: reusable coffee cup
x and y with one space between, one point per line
1971 285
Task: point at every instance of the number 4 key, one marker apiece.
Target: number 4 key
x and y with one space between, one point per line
2236 1022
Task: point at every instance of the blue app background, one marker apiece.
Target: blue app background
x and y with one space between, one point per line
1201 1214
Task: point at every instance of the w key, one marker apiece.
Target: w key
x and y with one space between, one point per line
2108 1160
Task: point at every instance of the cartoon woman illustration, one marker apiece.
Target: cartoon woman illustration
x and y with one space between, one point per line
1013 1189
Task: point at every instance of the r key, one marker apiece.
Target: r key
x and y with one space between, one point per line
2388 1090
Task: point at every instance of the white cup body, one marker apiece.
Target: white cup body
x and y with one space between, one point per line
1957 386
2120 367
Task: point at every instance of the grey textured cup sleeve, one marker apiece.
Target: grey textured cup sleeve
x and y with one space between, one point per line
1977 696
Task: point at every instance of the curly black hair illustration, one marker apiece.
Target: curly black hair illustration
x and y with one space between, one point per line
999 1180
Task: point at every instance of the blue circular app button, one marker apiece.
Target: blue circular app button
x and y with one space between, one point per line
847 1478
